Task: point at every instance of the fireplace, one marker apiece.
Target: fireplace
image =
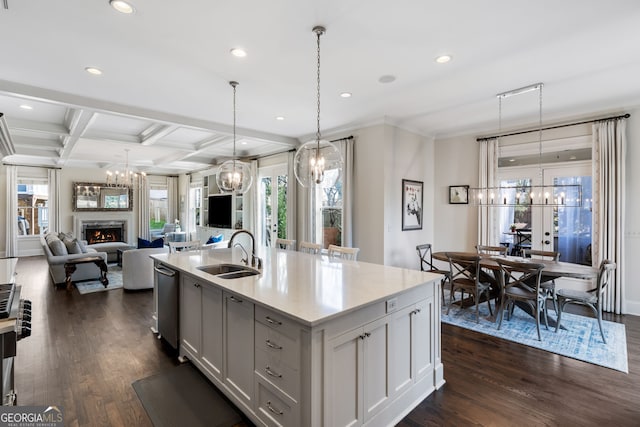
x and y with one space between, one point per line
103 231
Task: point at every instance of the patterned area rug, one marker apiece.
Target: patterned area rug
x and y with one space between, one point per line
115 282
579 337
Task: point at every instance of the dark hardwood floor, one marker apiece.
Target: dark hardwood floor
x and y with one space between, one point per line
86 350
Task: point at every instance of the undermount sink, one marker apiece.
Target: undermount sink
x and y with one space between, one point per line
228 271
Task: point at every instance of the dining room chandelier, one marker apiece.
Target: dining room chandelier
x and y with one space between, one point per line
566 195
234 175
318 162
126 178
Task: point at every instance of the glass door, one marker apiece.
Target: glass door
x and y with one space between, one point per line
272 204
563 229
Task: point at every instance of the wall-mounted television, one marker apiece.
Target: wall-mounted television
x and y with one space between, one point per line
220 212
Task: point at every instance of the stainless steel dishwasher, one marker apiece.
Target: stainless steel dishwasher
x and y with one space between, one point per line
167 310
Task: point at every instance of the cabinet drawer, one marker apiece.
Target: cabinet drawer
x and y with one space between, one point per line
273 410
272 369
278 345
277 322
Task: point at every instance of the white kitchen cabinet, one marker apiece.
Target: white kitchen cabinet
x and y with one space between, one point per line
238 347
212 330
359 375
422 339
190 329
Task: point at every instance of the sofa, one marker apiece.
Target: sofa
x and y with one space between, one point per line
137 267
58 250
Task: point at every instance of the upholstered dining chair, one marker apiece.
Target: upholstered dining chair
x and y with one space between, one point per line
492 250
184 246
465 277
343 252
520 281
287 244
426 264
548 285
310 248
591 298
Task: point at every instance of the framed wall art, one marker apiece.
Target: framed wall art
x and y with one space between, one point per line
459 194
412 199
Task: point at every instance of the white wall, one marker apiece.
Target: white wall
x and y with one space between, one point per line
632 220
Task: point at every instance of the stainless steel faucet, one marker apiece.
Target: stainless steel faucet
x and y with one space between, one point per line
255 261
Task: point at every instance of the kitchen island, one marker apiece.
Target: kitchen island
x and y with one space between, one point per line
311 341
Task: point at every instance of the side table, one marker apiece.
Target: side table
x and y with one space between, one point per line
70 267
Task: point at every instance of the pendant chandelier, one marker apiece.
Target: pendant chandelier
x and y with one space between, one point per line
569 195
318 162
234 176
127 178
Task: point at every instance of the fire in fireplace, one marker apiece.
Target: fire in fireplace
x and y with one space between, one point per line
103 231
103 235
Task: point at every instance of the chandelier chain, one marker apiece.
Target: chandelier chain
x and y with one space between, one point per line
318 33
540 128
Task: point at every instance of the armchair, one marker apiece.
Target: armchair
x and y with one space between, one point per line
167 228
137 267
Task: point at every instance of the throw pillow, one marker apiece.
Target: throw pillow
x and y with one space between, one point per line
215 239
83 248
144 243
72 246
62 235
58 248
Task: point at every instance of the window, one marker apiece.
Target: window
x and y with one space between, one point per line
33 207
158 208
327 209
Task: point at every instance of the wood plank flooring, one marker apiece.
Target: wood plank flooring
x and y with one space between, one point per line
86 350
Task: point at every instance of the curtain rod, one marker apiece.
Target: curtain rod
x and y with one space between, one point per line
294 149
30 166
343 139
486 138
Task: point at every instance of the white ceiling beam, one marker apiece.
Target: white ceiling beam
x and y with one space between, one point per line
32 126
112 137
31 142
77 121
155 132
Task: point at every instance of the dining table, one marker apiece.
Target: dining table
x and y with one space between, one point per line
552 270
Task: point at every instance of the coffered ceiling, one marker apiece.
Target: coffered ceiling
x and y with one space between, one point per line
164 94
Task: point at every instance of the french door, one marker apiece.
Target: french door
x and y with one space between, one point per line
272 204
563 229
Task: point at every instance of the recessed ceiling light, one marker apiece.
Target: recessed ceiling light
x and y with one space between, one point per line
346 94
387 79
443 59
121 6
93 70
243 143
280 118
512 160
26 107
240 53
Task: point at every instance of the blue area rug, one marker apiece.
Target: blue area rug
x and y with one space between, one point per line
580 339
115 282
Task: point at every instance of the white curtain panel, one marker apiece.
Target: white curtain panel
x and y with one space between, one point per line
488 171
11 244
143 214
609 152
54 198
250 199
172 198
347 192
292 197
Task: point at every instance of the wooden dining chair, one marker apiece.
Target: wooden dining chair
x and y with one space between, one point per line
520 282
310 248
184 246
548 285
287 244
426 264
492 250
465 277
343 252
591 298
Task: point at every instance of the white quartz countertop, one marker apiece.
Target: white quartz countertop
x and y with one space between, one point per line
310 288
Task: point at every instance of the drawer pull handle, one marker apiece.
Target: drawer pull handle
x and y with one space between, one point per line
232 298
273 322
274 346
272 409
272 373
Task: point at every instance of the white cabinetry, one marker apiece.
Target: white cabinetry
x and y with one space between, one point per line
238 347
369 366
212 330
190 329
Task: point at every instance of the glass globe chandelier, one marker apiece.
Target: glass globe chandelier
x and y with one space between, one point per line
318 162
234 176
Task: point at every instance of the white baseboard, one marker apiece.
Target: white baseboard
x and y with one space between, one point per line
632 307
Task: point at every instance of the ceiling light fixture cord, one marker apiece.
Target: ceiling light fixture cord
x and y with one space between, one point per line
319 31
6 4
540 129
234 84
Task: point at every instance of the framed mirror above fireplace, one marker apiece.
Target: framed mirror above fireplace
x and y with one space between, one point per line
94 197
